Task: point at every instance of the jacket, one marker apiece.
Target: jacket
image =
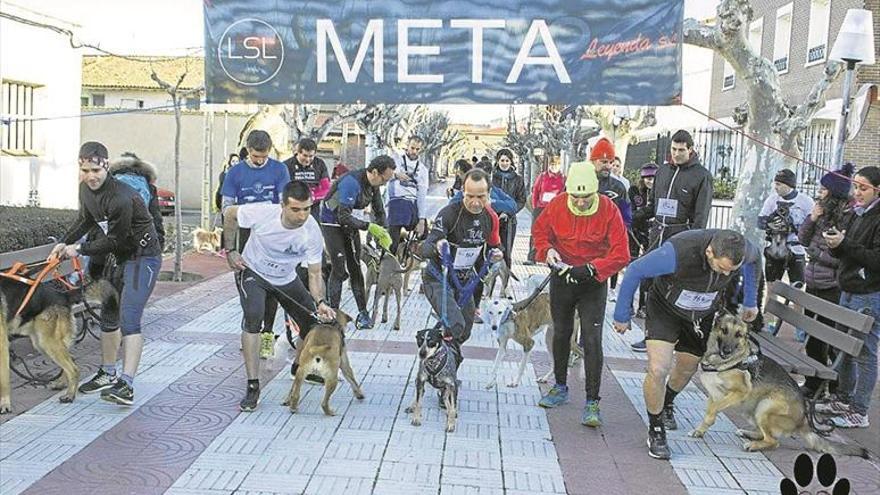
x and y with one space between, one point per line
352 192
133 165
511 183
547 186
690 187
616 191
859 253
822 268
599 239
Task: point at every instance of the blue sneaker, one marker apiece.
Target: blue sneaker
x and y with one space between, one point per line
591 416
556 396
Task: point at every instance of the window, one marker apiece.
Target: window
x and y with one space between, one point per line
817 40
756 35
131 103
97 100
782 40
83 101
729 77
16 116
193 103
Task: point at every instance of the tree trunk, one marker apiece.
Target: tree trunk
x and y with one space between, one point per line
178 214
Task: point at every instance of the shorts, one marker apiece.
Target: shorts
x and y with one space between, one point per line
293 297
662 323
402 212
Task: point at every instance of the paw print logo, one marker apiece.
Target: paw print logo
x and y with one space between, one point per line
825 474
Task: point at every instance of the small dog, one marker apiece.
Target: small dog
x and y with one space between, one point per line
438 365
323 354
204 240
48 320
735 373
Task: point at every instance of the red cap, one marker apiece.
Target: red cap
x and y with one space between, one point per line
602 149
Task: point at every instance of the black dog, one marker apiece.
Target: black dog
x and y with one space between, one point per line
438 365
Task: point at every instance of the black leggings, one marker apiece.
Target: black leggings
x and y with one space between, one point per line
293 297
507 231
816 349
589 300
344 247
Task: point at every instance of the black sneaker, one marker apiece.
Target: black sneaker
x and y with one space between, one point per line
251 398
639 346
668 417
121 393
314 379
657 446
101 381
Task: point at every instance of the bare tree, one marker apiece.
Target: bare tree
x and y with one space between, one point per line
177 95
436 135
769 118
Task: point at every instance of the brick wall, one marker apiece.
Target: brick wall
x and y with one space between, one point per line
798 81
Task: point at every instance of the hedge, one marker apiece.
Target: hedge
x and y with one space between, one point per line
27 227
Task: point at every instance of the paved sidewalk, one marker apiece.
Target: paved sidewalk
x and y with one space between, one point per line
185 434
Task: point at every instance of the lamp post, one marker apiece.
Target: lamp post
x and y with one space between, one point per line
854 45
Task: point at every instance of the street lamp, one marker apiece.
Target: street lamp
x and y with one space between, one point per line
854 45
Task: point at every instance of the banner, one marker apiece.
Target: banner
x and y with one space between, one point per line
411 51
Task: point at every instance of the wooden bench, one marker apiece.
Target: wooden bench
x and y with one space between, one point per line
787 304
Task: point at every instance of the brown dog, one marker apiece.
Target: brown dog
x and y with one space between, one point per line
323 354
48 320
736 374
205 240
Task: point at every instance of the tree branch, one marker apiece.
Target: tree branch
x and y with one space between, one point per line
702 35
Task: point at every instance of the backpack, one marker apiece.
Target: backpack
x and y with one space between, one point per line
139 184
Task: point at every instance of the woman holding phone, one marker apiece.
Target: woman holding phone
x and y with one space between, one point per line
857 245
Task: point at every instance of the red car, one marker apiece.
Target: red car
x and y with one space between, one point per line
166 201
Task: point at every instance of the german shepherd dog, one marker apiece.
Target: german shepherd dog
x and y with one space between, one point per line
48 320
323 354
736 374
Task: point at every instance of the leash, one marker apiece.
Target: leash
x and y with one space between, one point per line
525 303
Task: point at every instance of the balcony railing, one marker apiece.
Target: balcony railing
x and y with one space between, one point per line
816 53
781 64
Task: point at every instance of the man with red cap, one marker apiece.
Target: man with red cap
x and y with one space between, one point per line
602 156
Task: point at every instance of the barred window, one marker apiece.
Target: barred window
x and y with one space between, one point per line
16 116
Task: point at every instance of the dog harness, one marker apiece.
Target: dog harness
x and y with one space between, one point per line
440 365
20 271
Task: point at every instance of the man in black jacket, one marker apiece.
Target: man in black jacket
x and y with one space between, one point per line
129 234
681 197
345 201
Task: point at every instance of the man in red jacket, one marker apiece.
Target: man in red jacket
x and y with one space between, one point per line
548 185
581 235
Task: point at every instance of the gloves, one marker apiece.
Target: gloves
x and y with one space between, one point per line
579 274
382 236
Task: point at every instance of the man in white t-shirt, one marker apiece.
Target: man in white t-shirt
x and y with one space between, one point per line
281 238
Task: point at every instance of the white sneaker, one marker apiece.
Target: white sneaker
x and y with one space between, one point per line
832 408
851 420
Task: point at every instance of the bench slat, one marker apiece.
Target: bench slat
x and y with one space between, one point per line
792 361
831 336
844 316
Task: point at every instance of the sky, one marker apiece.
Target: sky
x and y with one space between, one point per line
175 27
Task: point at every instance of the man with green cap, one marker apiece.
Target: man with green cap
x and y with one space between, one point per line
581 235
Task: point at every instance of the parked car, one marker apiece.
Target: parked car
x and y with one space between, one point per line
166 201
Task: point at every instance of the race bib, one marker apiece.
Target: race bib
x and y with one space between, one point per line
667 207
695 301
548 196
104 225
273 269
466 257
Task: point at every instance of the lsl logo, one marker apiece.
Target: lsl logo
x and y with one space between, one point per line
251 52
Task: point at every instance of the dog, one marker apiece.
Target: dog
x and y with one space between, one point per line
47 319
387 276
502 318
736 374
408 252
499 269
204 240
438 365
323 354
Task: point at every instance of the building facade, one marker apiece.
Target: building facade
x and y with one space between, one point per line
797 36
39 105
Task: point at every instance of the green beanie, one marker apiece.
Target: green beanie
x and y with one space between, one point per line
581 179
